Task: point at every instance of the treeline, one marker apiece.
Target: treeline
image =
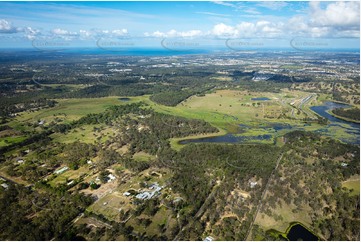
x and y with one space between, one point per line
349 113
112 113
11 105
264 86
171 98
40 138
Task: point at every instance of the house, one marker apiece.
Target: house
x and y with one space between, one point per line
209 238
252 184
127 194
20 161
5 186
147 195
111 177
177 199
343 164
144 195
155 186
61 170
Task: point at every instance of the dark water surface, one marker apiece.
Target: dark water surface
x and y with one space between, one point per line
228 138
260 99
298 232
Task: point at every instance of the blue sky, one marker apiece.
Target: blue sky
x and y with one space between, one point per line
328 24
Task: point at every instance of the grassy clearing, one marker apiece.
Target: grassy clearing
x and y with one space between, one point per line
285 211
353 184
69 175
142 156
160 218
222 78
11 140
11 178
86 134
110 205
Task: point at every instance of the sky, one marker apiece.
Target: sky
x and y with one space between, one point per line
180 24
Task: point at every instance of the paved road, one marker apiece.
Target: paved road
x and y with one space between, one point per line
305 101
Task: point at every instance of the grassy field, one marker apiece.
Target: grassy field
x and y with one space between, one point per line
225 107
269 222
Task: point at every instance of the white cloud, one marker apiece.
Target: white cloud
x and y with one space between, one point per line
119 32
173 33
223 30
85 33
273 5
214 14
63 32
337 19
251 11
239 6
92 34
7 28
344 14
247 29
228 4
31 33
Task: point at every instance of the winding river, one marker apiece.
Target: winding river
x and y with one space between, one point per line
350 128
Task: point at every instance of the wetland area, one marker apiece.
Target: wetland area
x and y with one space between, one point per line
347 127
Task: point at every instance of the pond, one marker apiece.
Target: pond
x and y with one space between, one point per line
298 232
260 99
124 99
237 138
